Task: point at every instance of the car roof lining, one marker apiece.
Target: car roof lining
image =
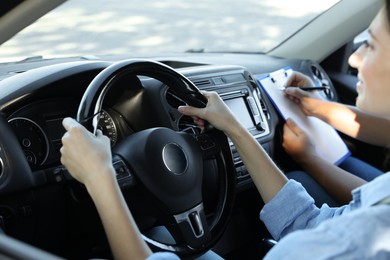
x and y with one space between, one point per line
7 5
21 14
323 32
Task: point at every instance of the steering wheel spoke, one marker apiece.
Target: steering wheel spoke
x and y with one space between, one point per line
193 227
123 175
208 144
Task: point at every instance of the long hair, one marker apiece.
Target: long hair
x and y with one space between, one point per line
387 10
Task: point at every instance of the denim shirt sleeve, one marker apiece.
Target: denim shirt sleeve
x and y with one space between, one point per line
360 234
292 209
163 256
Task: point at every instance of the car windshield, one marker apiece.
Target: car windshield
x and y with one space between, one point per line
112 27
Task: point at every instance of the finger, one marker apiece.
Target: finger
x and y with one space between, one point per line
290 80
210 95
295 79
293 126
199 121
193 112
293 99
207 93
287 133
69 122
295 92
190 111
204 92
99 133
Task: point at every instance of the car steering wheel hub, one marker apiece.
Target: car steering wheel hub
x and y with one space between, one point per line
175 159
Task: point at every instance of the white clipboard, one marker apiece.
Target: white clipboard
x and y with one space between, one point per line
327 141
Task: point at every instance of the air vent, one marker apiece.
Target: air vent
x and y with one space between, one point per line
321 80
318 75
265 110
173 100
202 83
185 123
16 72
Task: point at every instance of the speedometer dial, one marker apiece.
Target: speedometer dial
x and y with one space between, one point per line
107 126
33 140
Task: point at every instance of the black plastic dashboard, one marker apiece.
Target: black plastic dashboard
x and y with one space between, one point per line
35 97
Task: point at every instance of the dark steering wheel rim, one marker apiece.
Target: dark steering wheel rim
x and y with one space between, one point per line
91 105
93 97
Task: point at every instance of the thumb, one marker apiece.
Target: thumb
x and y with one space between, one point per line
99 133
69 122
190 111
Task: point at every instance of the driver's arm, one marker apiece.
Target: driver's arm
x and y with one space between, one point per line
265 174
88 159
122 232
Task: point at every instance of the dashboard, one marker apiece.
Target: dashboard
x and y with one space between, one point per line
39 98
42 204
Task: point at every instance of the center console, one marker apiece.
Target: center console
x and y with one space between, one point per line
243 96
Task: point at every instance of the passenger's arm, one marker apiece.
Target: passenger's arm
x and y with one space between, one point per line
347 119
88 159
356 123
336 181
265 174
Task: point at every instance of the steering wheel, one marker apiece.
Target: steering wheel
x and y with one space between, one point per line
169 166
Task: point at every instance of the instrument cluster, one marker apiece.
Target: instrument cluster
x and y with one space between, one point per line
38 128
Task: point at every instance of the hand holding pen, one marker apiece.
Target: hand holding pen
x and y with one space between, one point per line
309 99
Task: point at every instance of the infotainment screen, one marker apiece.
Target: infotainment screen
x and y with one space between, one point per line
240 110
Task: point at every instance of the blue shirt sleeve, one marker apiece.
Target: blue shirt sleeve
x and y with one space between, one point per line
292 209
163 256
361 234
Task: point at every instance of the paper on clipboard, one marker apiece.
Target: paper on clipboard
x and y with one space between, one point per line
327 141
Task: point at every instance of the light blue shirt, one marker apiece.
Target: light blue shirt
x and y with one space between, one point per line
359 230
163 256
